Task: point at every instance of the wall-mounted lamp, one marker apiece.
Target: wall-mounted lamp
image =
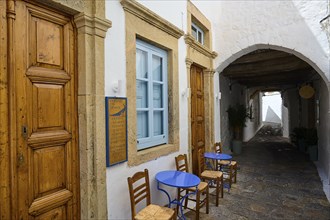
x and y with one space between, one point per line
186 93
218 96
116 86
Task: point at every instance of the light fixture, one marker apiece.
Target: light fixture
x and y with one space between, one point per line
218 96
116 86
306 92
186 93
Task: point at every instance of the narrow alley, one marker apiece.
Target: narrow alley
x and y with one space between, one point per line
275 181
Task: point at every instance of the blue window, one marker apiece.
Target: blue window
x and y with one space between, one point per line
151 95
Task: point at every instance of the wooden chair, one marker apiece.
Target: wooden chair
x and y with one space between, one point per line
214 178
139 190
203 188
229 167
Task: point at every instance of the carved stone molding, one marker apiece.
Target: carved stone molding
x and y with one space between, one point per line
92 25
189 62
135 8
209 72
190 40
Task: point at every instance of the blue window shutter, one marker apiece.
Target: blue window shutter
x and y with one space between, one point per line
151 95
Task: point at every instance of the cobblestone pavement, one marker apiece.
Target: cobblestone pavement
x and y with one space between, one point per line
275 181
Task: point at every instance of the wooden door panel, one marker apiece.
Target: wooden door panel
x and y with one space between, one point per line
48 100
46 37
51 202
49 172
48 42
55 214
197 113
48 168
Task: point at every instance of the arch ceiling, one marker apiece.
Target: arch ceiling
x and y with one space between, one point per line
270 67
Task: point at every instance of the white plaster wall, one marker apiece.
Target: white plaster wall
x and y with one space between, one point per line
252 124
217 100
115 69
292 26
285 121
115 58
249 131
313 12
233 97
323 162
324 141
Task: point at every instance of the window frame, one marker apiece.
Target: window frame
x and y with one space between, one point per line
153 140
198 30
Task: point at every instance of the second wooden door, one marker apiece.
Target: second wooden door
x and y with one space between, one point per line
197 113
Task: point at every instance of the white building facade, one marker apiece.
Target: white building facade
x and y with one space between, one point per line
236 28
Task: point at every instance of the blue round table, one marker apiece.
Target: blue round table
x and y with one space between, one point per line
177 179
217 156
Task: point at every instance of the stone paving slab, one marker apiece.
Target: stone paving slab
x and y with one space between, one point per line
275 181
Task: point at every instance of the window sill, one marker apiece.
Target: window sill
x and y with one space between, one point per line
192 42
143 156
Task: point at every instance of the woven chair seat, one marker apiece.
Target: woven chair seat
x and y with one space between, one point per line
227 162
155 212
211 174
201 187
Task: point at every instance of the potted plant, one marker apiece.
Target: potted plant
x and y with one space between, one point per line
311 141
237 118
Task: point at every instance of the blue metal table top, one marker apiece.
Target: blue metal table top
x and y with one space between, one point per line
177 179
217 156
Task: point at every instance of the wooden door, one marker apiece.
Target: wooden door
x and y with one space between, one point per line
46 115
197 113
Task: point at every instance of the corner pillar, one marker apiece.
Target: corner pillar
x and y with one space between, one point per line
189 62
93 195
209 108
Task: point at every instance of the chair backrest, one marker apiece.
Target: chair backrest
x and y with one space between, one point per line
139 189
218 147
201 161
181 163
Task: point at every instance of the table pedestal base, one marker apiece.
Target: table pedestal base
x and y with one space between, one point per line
177 202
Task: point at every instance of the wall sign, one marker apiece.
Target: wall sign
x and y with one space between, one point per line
116 130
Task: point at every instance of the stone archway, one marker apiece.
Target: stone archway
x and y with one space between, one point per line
323 126
255 47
